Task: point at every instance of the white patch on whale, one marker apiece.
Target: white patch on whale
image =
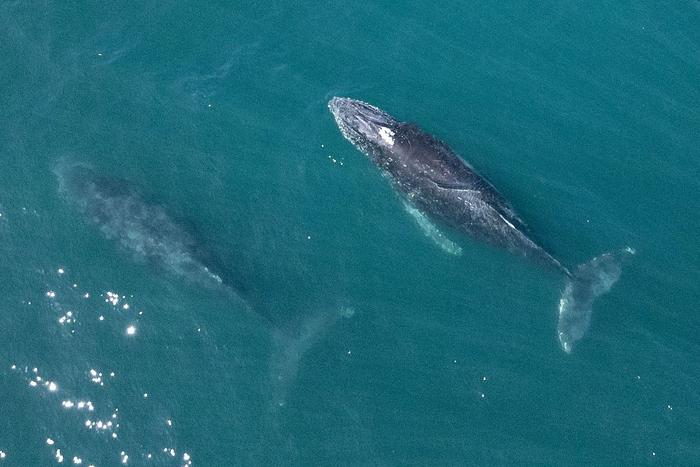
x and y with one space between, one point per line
431 231
387 135
507 222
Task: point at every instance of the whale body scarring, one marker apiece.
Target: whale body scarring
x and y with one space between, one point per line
432 177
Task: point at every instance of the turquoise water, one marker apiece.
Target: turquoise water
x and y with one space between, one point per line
585 117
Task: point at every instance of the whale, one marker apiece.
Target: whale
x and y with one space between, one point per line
148 233
435 180
142 228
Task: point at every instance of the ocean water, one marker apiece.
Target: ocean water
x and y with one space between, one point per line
355 338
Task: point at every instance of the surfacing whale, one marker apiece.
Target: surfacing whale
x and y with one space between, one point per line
433 178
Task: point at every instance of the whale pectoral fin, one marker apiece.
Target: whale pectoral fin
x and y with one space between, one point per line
431 231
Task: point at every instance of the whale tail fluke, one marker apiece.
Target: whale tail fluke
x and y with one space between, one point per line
289 346
586 283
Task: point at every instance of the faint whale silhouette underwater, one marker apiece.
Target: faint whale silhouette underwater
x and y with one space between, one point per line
433 179
148 233
143 229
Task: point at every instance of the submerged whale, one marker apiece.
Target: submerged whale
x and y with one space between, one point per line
145 230
434 179
142 228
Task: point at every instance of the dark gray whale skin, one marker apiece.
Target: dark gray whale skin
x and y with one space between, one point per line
435 179
438 182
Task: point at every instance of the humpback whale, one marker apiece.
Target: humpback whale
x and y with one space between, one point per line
144 229
433 178
149 233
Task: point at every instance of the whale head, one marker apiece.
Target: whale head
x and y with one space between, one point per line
370 129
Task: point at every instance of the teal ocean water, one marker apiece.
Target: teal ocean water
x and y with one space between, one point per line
351 337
